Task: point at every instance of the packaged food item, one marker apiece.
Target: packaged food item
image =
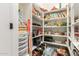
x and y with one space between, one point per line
39 50
36 52
60 52
43 9
62 33
54 8
48 51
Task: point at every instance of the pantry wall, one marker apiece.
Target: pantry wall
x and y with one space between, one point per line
54 30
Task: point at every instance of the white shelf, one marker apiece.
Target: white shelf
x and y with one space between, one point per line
55 26
23 45
56 43
62 19
57 19
76 23
55 11
24 41
37 36
25 32
23 37
71 54
23 49
55 35
75 43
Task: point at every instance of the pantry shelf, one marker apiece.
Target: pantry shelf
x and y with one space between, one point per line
24 41
55 26
76 23
75 43
57 19
56 11
23 45
55 43
23 32
23 50
55 35
22 37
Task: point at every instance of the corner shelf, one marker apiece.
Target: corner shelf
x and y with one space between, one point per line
76 22
23 50
56 19
23 37
55 43
62 19
24 41
55 26
23 32
75 43
55 11
55 35
23 45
